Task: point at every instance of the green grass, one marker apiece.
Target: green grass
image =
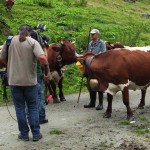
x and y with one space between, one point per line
144 119
56 132
124 122
141 131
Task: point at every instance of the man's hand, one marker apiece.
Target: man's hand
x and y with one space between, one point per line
46 77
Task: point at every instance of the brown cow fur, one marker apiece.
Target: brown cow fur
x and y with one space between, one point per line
117 67
67 52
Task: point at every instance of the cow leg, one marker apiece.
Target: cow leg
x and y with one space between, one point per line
52 90
142 102
4 92
109 107
125 95
4 83
61 95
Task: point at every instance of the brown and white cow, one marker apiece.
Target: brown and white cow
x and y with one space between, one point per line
118 70
116 45
59 56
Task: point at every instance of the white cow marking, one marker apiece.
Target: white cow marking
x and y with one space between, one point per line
145 48
113 89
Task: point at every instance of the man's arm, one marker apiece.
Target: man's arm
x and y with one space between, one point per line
102 47
44 63
42 59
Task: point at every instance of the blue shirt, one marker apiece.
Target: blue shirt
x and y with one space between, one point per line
97 47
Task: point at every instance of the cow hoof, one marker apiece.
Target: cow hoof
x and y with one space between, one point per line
62 99
130 117
56 100
107 115
140 107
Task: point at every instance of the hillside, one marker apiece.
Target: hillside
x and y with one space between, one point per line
117 20
66 19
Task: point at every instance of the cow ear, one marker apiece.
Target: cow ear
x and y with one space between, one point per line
56 48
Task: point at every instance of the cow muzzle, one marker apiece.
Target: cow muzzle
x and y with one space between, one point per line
94 84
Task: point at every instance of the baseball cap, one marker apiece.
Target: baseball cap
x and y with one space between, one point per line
93 31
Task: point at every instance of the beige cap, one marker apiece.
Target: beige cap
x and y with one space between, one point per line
93 31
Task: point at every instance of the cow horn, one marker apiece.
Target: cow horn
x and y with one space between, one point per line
78 55
73 42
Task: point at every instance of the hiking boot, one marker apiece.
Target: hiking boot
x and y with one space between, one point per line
44 121
37 138
62 99
89 105
20 137
99 107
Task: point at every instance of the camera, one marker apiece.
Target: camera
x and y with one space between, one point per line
41 27
42 39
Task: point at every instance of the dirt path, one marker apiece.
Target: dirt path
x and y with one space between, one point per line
84 129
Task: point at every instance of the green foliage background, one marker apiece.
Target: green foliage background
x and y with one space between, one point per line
66 19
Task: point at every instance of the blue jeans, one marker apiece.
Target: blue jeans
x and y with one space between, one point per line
41 105
26 96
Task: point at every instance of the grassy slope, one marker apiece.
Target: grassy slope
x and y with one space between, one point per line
117 20
108 15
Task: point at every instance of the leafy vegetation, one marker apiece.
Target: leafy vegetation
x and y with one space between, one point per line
66 19
56 132
117 20
124 122
141 130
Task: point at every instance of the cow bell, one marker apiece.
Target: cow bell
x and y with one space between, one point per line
80 66
94 84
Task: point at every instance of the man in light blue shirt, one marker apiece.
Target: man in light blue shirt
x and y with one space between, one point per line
95 46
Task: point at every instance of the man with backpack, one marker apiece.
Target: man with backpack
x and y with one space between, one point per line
23 54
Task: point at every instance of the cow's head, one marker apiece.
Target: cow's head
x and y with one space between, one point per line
66 52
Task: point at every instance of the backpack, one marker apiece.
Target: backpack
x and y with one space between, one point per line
8 41
3 74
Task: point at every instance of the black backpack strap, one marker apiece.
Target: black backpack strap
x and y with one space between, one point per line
8 41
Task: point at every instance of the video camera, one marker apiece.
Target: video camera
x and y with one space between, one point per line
42 39
41 27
